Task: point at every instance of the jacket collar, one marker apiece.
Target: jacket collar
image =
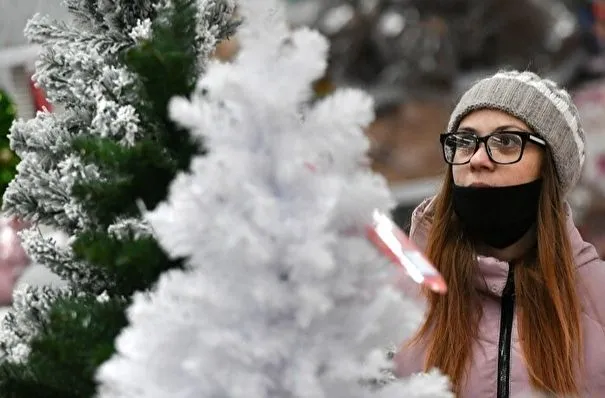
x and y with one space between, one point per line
492 273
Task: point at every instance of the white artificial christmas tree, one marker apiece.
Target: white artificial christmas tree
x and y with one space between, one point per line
282 296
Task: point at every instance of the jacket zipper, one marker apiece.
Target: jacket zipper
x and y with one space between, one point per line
506 327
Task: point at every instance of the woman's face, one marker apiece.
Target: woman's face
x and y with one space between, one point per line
481 170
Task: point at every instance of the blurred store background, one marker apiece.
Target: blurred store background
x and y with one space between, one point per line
417 56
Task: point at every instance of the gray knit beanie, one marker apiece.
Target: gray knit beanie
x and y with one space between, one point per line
547 109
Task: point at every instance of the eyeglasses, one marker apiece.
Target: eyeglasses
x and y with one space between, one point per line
503 147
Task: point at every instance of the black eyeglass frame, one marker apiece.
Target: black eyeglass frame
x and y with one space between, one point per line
524 135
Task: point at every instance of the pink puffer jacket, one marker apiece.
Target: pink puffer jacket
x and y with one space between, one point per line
483 380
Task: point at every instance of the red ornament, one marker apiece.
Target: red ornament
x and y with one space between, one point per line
311 167
39 97
598 10
398 247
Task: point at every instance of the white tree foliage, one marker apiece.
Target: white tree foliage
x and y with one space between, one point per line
283 296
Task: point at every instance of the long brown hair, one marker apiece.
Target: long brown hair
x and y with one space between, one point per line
548 309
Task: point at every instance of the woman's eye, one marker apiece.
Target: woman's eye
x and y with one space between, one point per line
507 141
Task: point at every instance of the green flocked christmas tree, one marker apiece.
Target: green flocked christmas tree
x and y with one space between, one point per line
90 169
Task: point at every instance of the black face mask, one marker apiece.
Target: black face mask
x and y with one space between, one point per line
497 216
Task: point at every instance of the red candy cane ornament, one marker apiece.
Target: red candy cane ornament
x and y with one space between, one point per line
398 247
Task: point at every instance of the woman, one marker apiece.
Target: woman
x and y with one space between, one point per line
525 308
